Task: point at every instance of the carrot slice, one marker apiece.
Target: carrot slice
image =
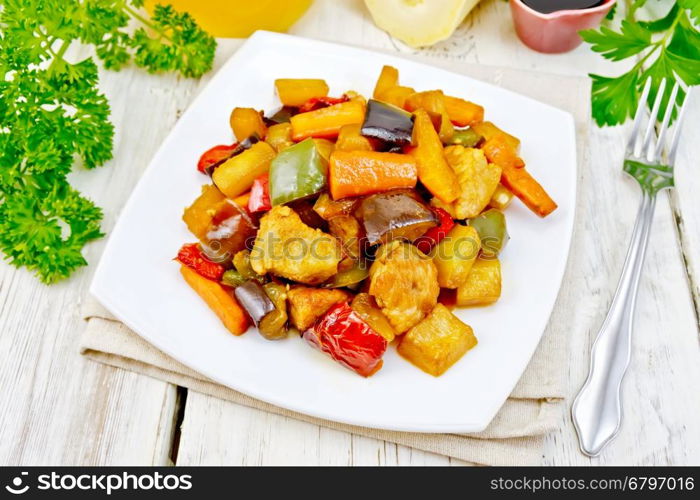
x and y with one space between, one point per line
530 192
488 131
355 173
219 299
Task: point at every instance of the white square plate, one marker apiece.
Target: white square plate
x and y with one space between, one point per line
140 284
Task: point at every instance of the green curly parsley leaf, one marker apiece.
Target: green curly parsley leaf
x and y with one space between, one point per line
170 40
178 47
52 113
46 228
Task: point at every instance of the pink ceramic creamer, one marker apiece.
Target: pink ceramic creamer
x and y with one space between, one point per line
558 31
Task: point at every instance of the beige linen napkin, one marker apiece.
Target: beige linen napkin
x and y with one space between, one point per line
534 408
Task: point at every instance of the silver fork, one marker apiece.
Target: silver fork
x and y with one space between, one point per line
596 411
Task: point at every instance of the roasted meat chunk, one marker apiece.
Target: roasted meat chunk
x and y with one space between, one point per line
287 247
403 280
478 180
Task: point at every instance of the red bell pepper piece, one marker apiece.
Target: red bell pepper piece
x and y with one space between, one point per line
321 102
343 334
191 255
433 235
259 200
215 155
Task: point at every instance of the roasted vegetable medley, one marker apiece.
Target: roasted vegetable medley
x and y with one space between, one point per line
357 223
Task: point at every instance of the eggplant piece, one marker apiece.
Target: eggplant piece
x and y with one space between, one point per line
252 297
387 123
388 147
266 305
229 230
394 215
249 141
240 147
274 325
282 115
305 210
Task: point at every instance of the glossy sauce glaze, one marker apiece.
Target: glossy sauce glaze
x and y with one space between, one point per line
448 298
549 6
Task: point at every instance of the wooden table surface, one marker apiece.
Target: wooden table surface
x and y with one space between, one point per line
58 408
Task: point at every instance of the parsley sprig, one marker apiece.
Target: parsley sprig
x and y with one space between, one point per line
53 116
668 47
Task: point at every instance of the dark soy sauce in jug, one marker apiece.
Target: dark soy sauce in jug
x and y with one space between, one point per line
549 6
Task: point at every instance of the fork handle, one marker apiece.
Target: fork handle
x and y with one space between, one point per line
596 412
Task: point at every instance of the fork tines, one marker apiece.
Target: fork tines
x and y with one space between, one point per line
649 146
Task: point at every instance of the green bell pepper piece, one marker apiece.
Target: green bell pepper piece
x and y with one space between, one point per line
491 226
232 278
466 137
297 172
241 261
357 273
